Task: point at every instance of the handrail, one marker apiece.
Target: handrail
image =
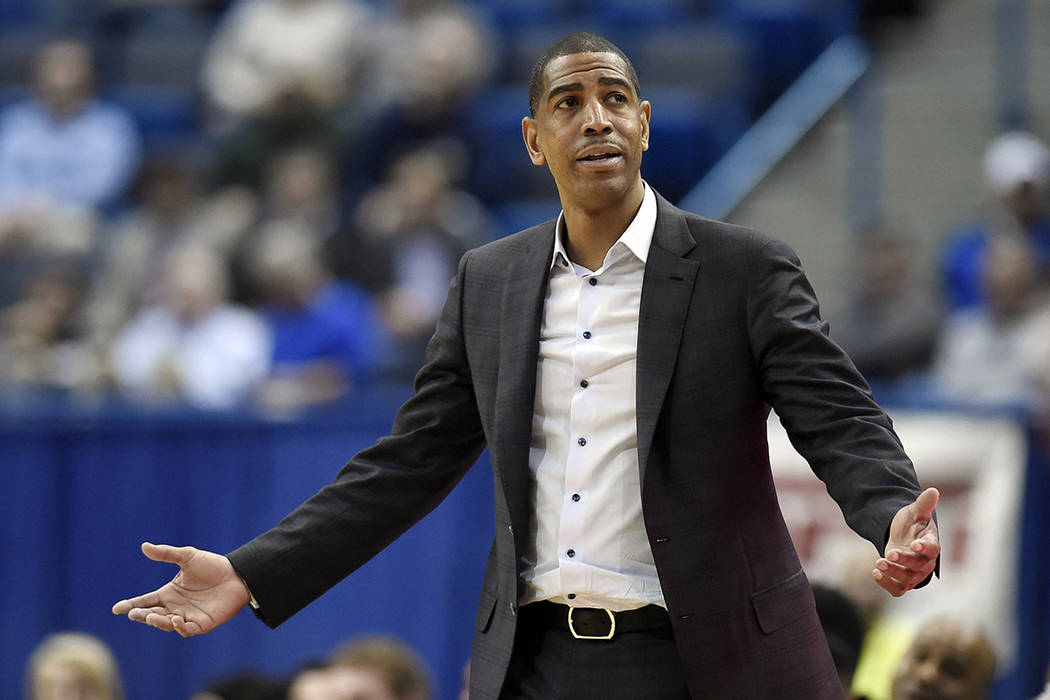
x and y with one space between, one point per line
777 131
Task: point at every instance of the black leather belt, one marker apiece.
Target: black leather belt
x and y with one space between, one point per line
597 623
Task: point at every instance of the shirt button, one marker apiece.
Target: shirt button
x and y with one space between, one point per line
571 553
582 442
584 384
586 335
575 497
571 596
592 281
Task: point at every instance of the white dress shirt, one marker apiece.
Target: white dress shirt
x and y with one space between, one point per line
588 545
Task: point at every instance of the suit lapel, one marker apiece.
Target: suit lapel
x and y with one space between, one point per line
520 316
666 293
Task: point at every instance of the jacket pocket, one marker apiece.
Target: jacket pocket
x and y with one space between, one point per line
782 603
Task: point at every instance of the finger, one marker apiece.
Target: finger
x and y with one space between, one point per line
161 622
925 504
167 553
894 568
186 628
140 614
892 585
928 544
147 600
911 560
907 577
179 625
910 577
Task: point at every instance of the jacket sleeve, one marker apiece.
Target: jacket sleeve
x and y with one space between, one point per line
821 399
382 491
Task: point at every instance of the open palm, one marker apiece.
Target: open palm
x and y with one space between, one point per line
204 594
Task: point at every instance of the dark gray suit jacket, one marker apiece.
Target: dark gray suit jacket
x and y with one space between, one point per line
728 326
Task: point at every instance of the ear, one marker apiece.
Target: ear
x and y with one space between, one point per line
646 110
532 141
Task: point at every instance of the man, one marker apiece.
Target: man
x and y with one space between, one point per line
619 371
948 660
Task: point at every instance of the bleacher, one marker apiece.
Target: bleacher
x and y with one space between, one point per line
708 66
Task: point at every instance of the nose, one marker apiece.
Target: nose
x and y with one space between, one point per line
927 672
595 119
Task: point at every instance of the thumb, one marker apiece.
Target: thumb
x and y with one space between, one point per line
925 504
167 553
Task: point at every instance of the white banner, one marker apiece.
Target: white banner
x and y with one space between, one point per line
978 464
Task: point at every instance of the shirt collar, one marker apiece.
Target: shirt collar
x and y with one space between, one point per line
636 238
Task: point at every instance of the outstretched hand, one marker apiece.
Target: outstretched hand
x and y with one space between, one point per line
204 594
912 548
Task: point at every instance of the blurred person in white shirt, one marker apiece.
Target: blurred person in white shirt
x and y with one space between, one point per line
194 345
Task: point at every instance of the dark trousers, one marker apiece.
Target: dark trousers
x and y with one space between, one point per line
549 664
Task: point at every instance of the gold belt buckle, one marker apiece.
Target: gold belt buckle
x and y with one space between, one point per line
612 626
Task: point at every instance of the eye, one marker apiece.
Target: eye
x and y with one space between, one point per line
618 97
568 102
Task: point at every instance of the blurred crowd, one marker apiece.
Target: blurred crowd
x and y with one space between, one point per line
303 244
976 330
79 666
303 247
950 658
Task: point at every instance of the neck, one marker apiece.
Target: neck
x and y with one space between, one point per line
590 233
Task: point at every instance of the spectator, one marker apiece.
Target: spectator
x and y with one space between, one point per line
1017 173
387 663
375 668
294 120
171 212
244 686
434 55
264 48
844 628
999 353
948 660
326 333
63 155
301 186
192 345
886 636
891 324
299 190
63 146
73 666
42 344
411 231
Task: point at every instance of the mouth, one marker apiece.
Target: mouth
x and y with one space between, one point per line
600 156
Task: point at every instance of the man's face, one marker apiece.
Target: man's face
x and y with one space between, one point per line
590 129
946 662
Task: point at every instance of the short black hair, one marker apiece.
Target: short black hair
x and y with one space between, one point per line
843 625
578 42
